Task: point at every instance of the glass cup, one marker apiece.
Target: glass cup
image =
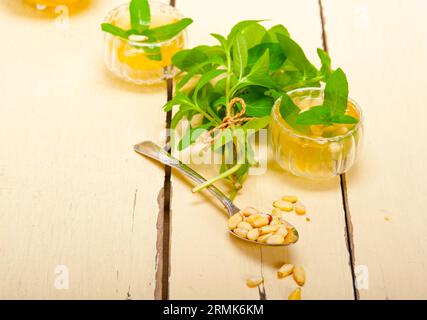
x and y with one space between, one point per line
323 152
50 3
138 62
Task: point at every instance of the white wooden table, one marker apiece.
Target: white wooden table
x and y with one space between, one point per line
83 217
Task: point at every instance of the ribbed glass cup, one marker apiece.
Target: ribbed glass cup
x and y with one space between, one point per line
310 156
135 61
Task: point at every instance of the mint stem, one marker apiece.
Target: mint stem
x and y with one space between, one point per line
223 175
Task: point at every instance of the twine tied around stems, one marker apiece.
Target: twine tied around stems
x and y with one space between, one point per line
230 119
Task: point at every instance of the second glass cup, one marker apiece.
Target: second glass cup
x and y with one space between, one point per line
324 152
136 61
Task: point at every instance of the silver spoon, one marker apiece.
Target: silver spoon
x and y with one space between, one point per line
153 151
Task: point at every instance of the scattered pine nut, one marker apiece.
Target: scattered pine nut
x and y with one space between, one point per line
295 295
284 205
276 212
300 208
307 219
254 282
299 276
292 236
285 270
282 231
292 199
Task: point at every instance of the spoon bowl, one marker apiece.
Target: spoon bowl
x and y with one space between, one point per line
151 150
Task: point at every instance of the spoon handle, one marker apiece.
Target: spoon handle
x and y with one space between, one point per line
153 151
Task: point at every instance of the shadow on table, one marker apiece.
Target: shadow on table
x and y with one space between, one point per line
27 10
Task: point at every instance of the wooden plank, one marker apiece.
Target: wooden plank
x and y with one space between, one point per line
72 191
382 47
206 262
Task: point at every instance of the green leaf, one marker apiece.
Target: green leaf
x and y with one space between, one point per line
257 123
296 55
238 28
326 63
336 93
240 55
180 98
186 60
114 30
192 135
179 116
222 40
271 35
205 79
253 34
167 32
289 112
277 58
315 116
257 103
140 15
344 119
205 66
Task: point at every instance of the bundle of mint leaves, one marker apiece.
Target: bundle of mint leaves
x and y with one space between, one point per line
258 66
140 18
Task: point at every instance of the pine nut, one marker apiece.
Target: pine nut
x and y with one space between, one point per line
253 234
269 229
242 233
263 238
291 237
275 222
244 225
299 276
282 231
276 212
275 239
292 199
260 221
234 221
285 270
248 211
295 295
254 282
284 205
300 208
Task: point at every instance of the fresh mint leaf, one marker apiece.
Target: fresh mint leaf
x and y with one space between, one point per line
114 30
277 58
140 15
179 99
222 40
240 55
205 79
253 34
205 66
168 31
336 93
238 29
289 112
257 123
259 73
326 69
271 35
344 119
296 55
315 116
257 103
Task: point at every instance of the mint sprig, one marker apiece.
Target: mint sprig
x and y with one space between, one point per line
258 66
140 18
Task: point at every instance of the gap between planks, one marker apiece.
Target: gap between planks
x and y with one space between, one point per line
343 183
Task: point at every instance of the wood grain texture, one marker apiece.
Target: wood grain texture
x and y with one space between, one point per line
208 263
382 45
72 191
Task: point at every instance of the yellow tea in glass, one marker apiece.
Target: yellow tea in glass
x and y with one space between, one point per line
320 151
134 60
